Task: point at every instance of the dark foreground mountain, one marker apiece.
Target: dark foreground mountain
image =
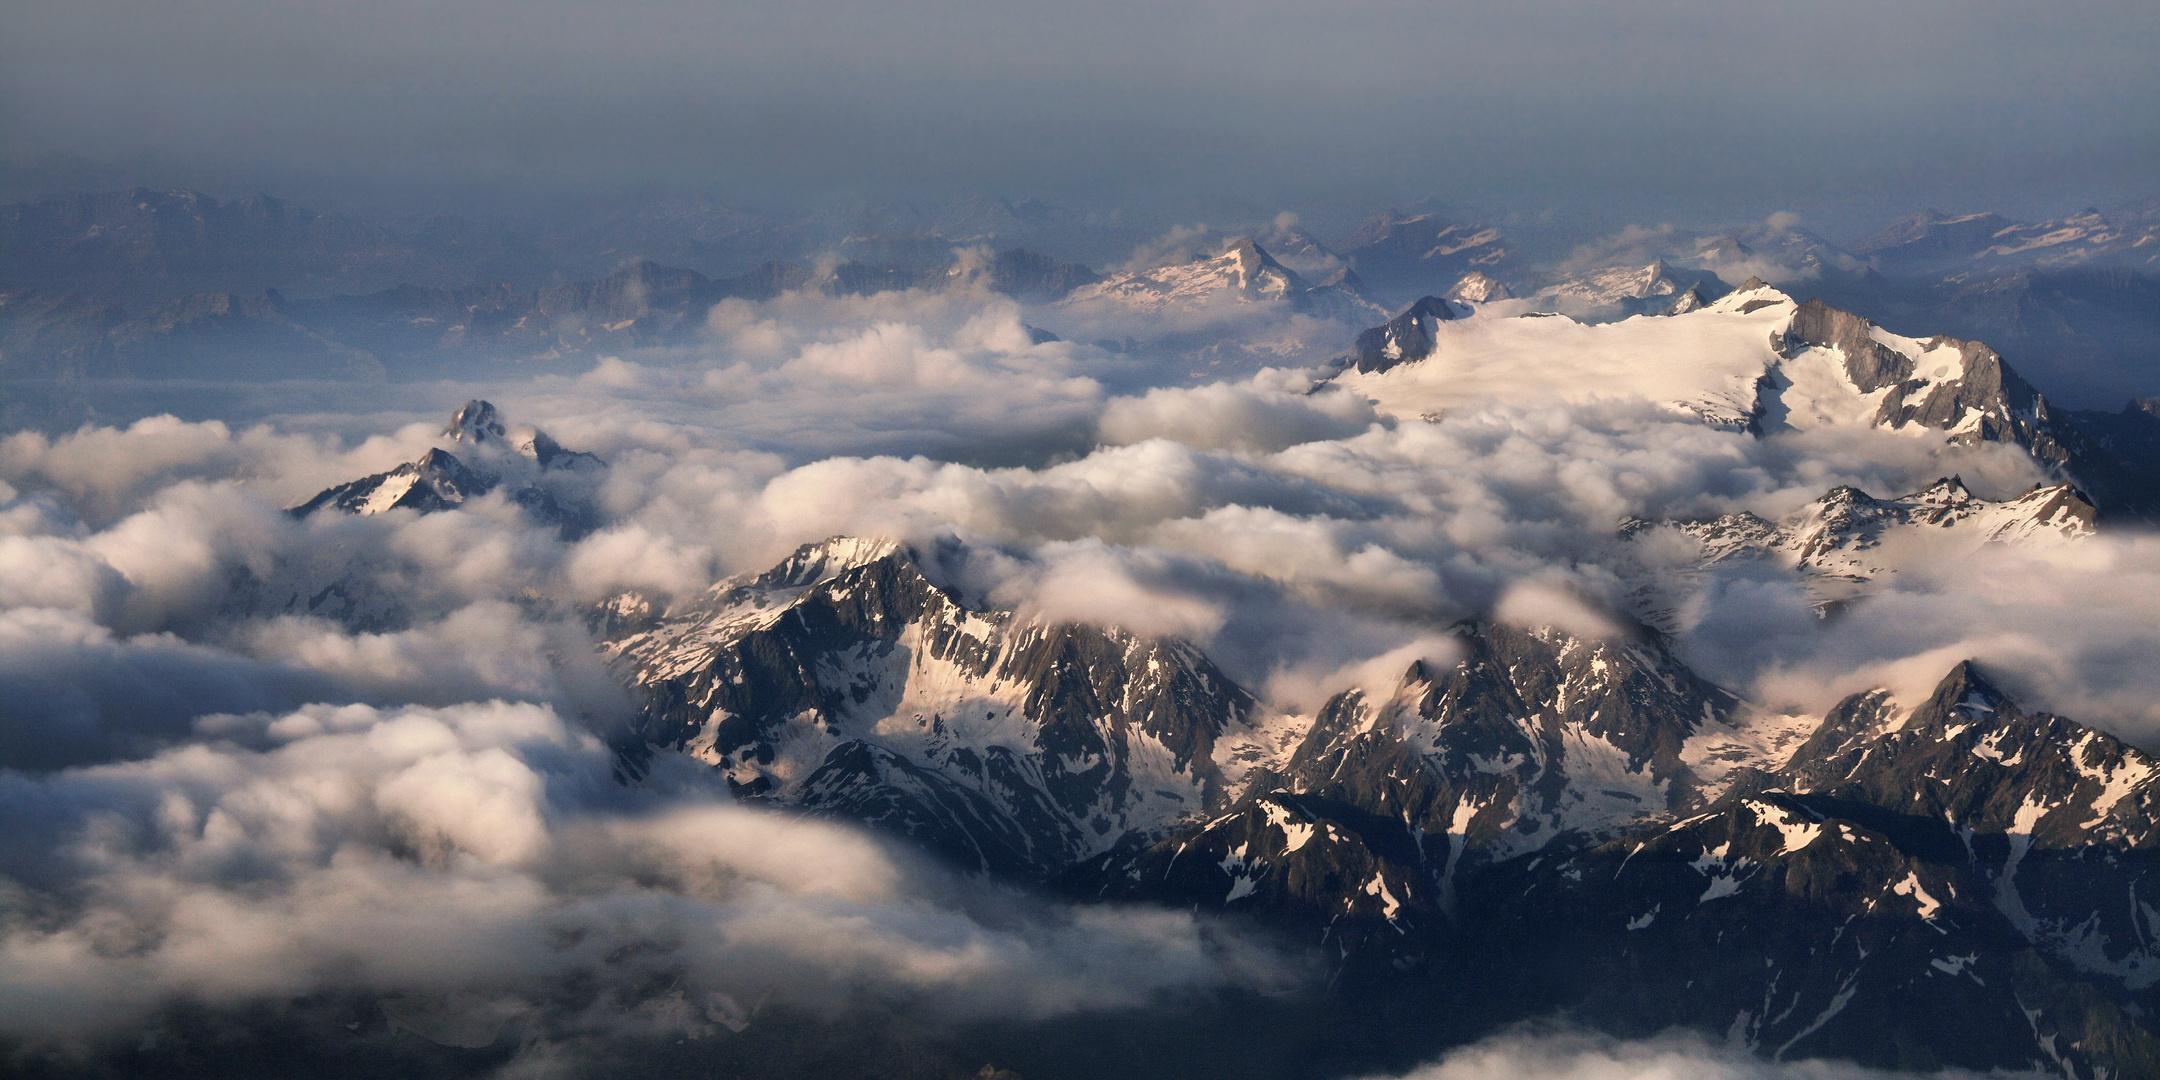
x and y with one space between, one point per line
1545 823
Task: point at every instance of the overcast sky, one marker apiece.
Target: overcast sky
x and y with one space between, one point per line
1642 109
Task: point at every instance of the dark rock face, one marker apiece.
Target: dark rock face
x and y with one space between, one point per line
1533 740
1953 886
1950 886
476 422
2110 458
1404 339
1870 364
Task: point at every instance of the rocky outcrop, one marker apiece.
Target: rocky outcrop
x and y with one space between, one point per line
1404 339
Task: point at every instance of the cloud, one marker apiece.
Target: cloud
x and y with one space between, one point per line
107 471
482 849
1181 244
1544 1054
72 691
1284 529
1231 416
2069 629
1309 683
1552 601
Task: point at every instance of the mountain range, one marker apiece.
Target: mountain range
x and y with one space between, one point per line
147 284
1532 820
1549 823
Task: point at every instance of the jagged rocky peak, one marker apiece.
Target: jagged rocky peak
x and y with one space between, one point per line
479 425
849 681
1578 813
1960 387
1871 364
2045 513
1404 339
1967 391
1524 714
551 483
1941 382
1693 298
436 481
1255 271
1925 866
1722 247
1971 754
821 561
1530 740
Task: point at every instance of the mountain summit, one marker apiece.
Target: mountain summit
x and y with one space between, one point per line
551 484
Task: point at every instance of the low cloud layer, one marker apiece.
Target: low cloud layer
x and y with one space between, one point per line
483 851
1242 514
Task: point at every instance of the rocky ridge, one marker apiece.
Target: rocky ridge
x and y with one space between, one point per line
846 682
1412 254
1845 543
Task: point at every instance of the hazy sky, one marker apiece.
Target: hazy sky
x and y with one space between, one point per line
1828 107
